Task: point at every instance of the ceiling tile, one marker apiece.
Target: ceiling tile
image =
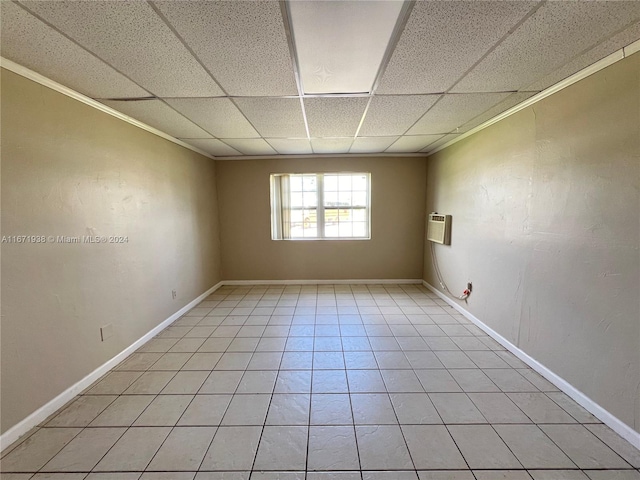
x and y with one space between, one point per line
452 111
371 144
412 144
334 117
287 146
274 117
511 101
31 43
439 143
218 116
213 146
331 145
243 44
442 40
158 115
607 47
393 115
548 39
250 146
131 37
340 45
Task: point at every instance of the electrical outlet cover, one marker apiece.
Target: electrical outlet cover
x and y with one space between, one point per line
106 332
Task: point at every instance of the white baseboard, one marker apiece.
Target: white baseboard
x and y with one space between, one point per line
605 416
40 415
386 281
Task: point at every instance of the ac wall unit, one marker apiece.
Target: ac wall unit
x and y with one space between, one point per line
439 228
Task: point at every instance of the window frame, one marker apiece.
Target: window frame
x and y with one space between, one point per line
320 207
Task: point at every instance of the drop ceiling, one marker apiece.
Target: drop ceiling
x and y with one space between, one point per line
251 78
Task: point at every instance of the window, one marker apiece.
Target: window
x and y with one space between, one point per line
320 206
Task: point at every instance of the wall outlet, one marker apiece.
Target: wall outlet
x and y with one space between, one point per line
174 294
106 332
470 286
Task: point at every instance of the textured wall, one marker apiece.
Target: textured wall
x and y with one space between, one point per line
69 169
397 223
545 223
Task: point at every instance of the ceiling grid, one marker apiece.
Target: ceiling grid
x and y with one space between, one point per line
257 78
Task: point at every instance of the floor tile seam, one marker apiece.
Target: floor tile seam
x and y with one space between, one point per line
589 433
316 424
340 470
42 470
565 410
458 447
355 435
255 456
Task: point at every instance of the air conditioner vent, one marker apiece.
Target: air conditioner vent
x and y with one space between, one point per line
439 228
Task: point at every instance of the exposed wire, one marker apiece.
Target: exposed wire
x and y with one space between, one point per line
443 285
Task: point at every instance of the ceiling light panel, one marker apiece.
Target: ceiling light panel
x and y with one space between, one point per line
334 117
33 44
412 144
131 37
452 111
294 146
331 145
158 115
553 36
393 115
340 44
250 146
274 117
605 48
243 44
442 40
371 144
218 116
213 146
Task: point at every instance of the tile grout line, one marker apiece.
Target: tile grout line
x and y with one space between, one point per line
337 323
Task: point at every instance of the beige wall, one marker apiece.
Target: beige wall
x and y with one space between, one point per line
69 169
397 223
546 224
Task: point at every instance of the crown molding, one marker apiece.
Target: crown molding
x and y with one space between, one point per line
576 77
69 92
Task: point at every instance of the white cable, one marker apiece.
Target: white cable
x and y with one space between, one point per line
443 285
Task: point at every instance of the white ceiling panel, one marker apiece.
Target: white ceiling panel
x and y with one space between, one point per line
224 77
334 117
158 115
31 43
393 115
372 144
340 44
452 111
331 145
250 146
213 146
274 117
131 37
243 44
607 47
442 41
440 142
288 146
218 116
511 101
550 38
412 144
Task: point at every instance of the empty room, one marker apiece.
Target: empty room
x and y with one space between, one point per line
320 240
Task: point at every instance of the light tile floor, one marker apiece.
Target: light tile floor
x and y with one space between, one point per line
344 382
